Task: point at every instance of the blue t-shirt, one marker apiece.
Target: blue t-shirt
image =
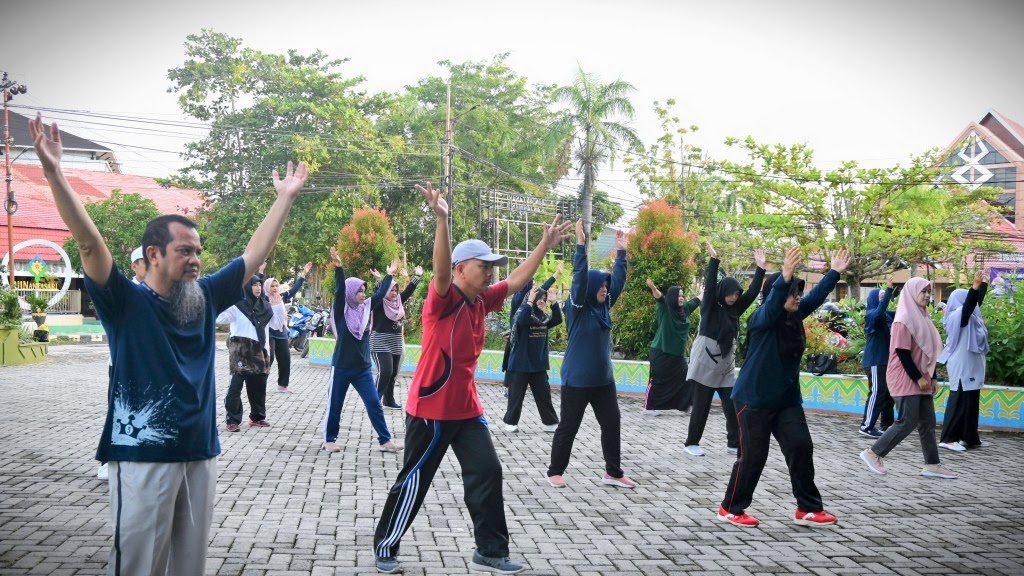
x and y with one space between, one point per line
162 403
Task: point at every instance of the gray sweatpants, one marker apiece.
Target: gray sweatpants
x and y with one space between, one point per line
161 514
913 412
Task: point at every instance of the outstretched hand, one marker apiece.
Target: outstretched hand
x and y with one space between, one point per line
620 240
979 279
711 250
759 259
393 267
48 148
581 235
376 274
434 200
294 178
335 259
418 270
841 260
559 269
307 268
792 260
555 232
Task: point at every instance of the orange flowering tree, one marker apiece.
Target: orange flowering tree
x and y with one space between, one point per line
661 250
366 242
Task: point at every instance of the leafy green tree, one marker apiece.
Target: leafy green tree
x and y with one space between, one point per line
876 212
661 250
589 131
266 110
122 219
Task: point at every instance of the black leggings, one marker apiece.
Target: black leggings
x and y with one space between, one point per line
388 366
702 396
279 350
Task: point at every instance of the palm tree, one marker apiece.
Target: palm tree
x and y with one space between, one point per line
588 130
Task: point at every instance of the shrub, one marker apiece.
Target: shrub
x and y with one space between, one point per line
366 242
661 250
10 308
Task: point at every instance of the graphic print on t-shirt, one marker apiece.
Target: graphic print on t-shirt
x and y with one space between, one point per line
148 424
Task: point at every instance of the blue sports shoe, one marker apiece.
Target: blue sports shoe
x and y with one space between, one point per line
482 563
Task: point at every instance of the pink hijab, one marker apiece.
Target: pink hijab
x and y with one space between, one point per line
393 309
920 324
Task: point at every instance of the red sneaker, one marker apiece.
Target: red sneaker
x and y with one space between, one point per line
821 518
231 427
259 423
742 520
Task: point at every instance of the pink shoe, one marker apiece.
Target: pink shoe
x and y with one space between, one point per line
556 481
623 482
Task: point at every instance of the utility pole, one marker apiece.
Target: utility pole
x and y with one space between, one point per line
9 88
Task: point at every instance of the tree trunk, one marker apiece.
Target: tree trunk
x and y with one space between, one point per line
587 200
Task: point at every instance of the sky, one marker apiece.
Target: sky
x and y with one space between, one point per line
874 81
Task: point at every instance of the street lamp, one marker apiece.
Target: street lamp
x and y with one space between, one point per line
9 88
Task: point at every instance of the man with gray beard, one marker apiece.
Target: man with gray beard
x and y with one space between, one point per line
160 434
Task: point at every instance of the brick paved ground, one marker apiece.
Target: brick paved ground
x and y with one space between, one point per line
285 508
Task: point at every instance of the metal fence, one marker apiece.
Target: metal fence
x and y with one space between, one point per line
71 303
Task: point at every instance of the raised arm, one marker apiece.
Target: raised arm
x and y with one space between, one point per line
265 236
410 287
580 267
710 279
974 298
654 289
339 285
299 281
442 243
553 234
556 310
618 269
96 259
382 290
816 297
748 297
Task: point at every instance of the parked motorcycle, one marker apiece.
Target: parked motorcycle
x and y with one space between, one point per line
304 322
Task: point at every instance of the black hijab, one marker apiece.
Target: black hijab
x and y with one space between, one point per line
257 310
729 326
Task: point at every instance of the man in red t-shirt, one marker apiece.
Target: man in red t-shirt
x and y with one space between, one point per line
443 406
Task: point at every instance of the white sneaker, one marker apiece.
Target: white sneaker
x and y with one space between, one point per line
550 427
983 444
651 412
954 446
733 451
693 450
511 428
101 472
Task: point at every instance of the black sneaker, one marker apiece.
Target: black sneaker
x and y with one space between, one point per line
870 432
389 565
393 405
482 563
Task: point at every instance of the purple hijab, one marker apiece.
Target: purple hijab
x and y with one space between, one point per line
357 316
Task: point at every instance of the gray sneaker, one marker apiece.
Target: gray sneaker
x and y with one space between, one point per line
389 565
937 471
482 563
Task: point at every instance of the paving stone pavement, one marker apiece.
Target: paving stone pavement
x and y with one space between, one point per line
286 508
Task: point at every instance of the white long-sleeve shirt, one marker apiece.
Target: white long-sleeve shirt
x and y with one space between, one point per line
242 327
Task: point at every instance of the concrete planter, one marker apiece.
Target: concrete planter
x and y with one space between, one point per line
13 352
1000 406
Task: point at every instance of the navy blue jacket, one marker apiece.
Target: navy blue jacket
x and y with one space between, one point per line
877 329
588 354
767 380
348 352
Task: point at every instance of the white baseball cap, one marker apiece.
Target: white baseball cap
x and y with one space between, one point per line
137 254
476 250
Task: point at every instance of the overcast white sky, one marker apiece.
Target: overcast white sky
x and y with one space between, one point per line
874 80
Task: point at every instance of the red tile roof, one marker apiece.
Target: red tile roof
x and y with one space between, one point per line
37 215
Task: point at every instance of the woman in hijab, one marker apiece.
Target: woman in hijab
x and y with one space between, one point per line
913 353
713 357
587 377
667 388
768 398
964 357
279 338
249 354
350 319
387 344
528 358
877 332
